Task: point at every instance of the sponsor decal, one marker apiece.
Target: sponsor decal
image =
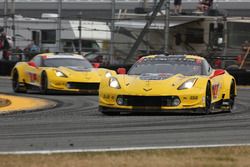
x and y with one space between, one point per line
198 61
107 96
154 76
215 90
193 97
32 76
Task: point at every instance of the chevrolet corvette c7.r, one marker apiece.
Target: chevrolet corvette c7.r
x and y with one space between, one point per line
177 83
51 72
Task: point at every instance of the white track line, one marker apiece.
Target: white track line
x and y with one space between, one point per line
120 149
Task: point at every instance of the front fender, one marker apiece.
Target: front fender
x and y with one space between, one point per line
20 68
227 80
103 71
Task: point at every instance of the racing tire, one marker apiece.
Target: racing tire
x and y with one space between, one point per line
44 84
106 112
208 99
231 97
16 85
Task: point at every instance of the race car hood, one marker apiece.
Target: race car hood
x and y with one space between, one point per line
76 68
79 72
151 82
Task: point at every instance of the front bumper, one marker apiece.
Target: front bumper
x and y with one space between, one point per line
104 109
162 102
80 87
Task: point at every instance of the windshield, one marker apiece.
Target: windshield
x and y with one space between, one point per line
171 65
91 56
67 62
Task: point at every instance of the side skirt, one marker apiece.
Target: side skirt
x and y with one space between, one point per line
32 87
220 105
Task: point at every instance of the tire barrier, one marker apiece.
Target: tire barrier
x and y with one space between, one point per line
242 76
6 67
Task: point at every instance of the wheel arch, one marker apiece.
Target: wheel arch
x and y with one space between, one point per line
47 72
20 71
43 73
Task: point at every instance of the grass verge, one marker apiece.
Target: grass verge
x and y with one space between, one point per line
198 157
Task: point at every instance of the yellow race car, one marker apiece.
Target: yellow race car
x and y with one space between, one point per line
173 83
51 72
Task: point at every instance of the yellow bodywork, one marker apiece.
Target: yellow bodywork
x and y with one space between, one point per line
193 98
31 76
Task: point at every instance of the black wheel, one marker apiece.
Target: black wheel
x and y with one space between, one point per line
44 84
16 85
231 96
208 100
105 111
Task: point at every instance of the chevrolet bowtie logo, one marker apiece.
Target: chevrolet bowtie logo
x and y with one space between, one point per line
147 89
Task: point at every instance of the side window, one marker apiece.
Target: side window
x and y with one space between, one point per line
37 60
207 69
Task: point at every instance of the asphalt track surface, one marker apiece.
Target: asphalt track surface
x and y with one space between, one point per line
76 124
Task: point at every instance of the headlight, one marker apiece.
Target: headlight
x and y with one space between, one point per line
108 74
113 83
60 74
188 84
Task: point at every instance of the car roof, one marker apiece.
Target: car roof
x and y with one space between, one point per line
177 56
61 55
97 53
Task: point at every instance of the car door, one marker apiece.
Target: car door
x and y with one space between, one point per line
33 71
216 79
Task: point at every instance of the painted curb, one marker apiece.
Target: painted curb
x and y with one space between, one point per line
4 102
25 104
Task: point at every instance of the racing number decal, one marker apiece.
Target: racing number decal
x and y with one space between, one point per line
33 77
215 90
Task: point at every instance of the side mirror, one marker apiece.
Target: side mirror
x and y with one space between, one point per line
32 63
121 71
96 65
219 72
